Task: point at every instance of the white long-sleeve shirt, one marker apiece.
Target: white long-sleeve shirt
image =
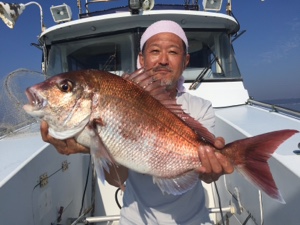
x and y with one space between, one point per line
144 202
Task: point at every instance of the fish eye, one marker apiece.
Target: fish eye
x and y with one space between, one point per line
66 86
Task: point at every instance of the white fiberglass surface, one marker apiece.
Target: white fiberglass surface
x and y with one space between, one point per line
17 151
252 120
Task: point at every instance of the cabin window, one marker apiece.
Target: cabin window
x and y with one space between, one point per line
109 53
211 55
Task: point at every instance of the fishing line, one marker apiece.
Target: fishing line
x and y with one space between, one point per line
219 202
37 185
85 186
248 217
116 198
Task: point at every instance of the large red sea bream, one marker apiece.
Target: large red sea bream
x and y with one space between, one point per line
133 122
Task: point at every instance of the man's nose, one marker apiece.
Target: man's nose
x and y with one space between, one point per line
164 59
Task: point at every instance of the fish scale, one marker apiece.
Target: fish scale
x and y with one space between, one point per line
148 146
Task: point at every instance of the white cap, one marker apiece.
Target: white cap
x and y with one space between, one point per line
163 26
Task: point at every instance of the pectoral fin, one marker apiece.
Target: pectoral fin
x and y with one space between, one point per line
101 157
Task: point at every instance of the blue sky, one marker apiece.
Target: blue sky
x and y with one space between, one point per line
268 53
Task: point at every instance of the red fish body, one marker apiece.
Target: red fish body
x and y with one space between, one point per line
140 127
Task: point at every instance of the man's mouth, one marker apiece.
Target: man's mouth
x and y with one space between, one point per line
162 69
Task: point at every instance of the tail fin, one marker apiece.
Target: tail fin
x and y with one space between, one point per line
251 155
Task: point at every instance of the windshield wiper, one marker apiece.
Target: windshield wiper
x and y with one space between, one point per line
200 77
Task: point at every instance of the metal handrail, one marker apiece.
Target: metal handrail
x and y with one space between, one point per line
101 219
275 108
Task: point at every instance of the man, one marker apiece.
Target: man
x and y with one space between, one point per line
164 53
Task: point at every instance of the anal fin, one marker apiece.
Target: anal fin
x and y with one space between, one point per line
178 185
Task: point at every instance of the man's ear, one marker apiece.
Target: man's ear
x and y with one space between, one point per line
187 60
141 59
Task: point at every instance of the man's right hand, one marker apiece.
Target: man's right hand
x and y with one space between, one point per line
66 147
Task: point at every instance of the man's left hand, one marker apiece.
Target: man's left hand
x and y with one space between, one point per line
214 164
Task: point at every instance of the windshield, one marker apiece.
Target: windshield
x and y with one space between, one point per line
211 54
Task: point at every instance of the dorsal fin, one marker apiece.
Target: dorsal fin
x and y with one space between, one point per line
156 89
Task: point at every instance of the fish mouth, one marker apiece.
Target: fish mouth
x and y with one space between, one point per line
36 102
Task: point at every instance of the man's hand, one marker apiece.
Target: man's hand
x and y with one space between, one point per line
219 142
214 164
66 147
117 175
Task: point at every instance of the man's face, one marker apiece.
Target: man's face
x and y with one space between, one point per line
165 54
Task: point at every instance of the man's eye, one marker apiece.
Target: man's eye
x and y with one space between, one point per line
154 51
